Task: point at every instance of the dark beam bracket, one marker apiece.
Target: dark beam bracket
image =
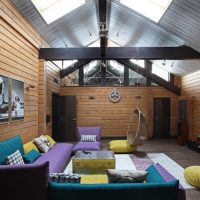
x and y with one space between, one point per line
81 76
151 76
112 53
126 76
103 75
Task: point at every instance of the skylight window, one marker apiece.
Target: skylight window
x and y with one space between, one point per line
160 72
140 63
51 10
153 9
67 63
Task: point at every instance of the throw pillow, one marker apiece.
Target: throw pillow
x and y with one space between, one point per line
15 159
88 138
126 176
41 145
31 156
46 141
65 178
52 141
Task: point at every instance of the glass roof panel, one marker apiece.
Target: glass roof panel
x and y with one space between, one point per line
152 9
67 63
51 10
140 63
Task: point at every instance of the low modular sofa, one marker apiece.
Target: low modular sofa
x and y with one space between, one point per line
31 181
88 146
57 156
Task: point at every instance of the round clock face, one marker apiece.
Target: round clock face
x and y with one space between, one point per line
114 96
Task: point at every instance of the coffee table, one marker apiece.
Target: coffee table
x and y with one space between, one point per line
93 162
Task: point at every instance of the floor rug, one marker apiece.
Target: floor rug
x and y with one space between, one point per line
141 162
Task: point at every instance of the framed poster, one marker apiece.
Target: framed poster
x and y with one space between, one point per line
17 100
4 99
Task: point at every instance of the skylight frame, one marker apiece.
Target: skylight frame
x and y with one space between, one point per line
150 8
58 7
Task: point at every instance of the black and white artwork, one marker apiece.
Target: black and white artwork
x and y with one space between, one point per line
4 99
17 100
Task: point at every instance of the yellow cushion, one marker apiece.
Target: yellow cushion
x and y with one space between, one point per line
121 146
192 175
29 146
52 141
94 179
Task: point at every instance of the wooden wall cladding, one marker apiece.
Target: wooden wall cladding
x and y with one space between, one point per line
113 117
19 44
191 93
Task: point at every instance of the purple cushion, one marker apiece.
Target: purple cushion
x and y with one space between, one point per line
89 146
57 156
168 177
89 131
24 182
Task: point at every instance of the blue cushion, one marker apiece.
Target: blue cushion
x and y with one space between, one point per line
31 156
117 191
9 146
154 176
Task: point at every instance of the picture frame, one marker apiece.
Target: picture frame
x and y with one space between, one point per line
4 99
11 99
17 100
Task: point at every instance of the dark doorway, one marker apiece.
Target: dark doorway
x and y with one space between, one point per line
63 118
182 126
161 117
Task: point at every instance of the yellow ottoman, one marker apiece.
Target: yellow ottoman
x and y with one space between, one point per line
121 146
192 175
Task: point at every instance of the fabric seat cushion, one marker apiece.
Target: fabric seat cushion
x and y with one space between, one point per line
94 179
121 146
89 146
192 175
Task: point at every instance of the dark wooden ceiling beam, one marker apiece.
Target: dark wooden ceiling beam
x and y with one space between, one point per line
74 67
102 11
102 26
103 45
94 53
151 76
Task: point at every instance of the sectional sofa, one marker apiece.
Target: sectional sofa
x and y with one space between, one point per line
31 181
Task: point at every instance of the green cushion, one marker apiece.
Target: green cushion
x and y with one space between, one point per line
154 176
31 156
9 146
192 175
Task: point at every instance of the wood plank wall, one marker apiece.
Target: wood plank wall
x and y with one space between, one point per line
114 117
191 93
19 44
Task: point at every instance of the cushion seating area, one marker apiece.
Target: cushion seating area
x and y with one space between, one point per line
121 146
56 163
153 189
34 179
57 156
89 146
192 175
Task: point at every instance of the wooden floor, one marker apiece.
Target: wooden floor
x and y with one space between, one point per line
180 154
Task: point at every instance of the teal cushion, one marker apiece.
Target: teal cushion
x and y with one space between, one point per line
117 191
154 176
31 156
9 146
